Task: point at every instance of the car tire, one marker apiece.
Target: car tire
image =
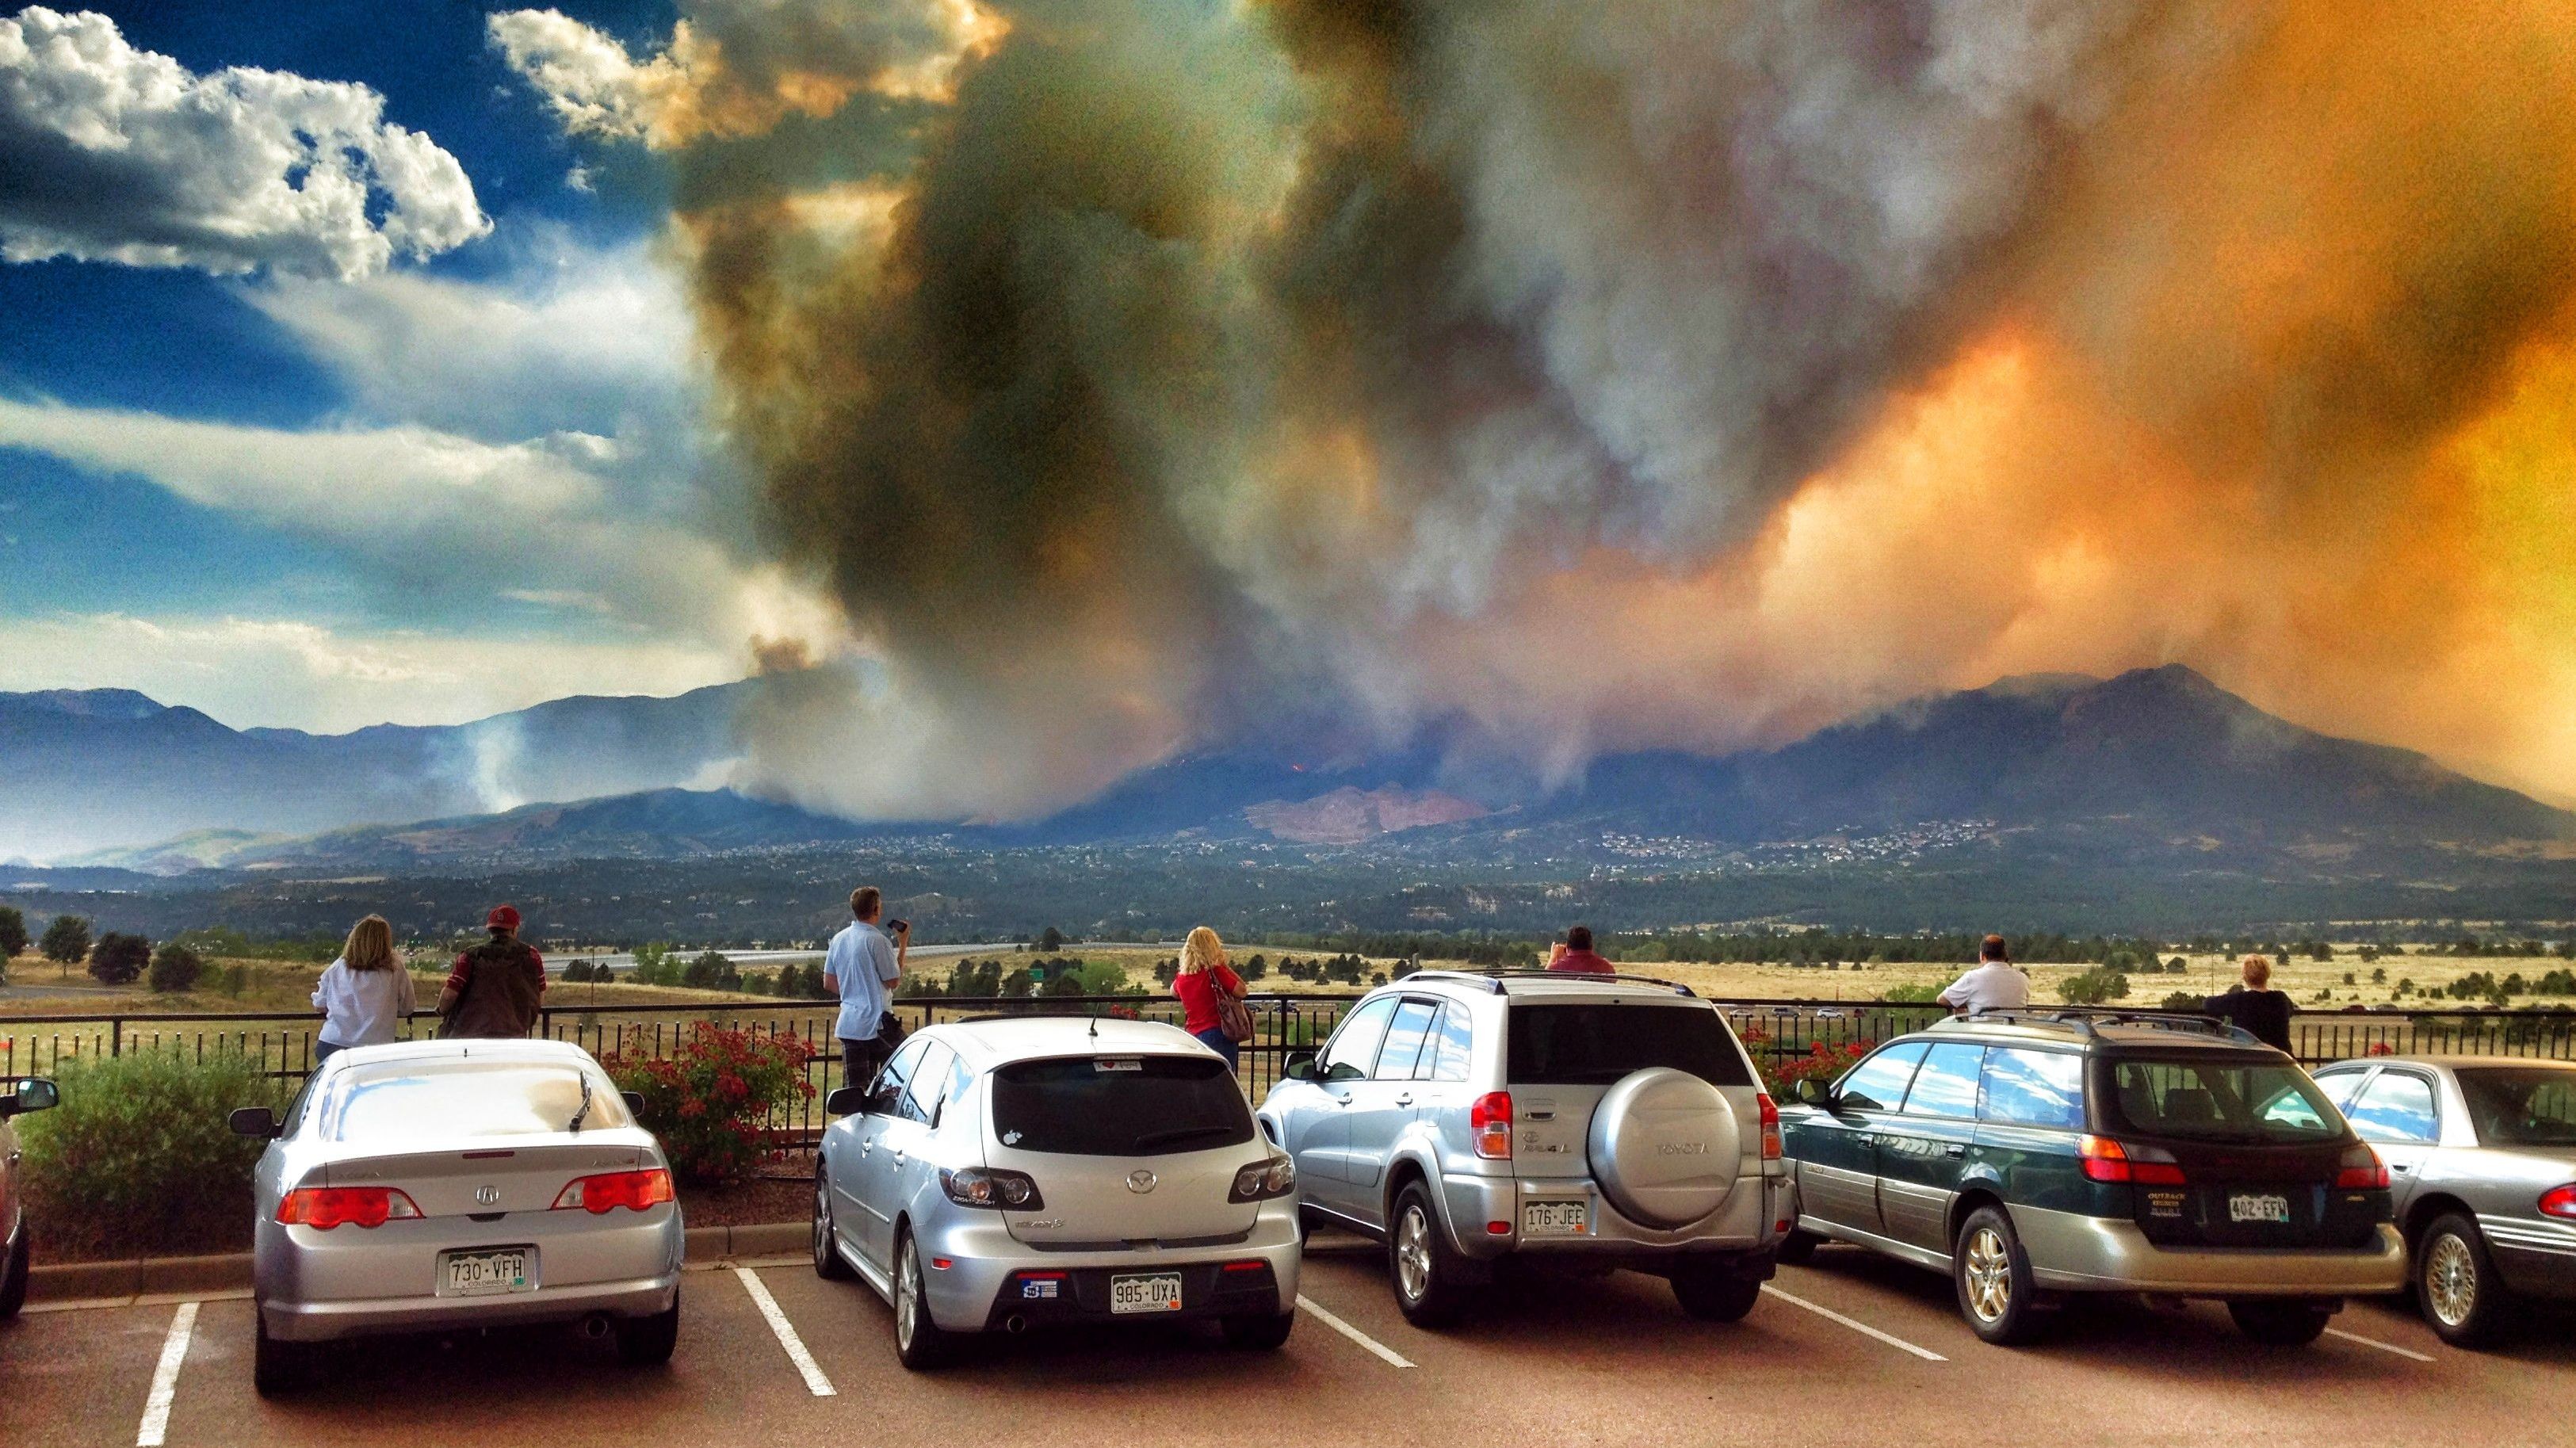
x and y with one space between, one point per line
1258 1332
1799 1246
278 1367
13 1272
644 1342
829 1264
920 1343
2280 1324
1715 1291
1991 1274
2463 1298
1423 1268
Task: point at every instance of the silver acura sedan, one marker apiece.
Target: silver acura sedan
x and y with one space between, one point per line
435 1185
1008 1174
2481 1154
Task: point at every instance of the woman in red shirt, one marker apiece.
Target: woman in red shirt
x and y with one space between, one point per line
1203 974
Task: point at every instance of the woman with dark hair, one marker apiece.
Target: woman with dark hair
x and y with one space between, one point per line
365 995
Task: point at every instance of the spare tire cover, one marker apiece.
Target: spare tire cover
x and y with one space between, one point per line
1664 1147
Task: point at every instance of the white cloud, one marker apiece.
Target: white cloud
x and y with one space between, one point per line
297 675
586 77
118 154
431 517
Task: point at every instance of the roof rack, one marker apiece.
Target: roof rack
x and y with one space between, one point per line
1493 979
2083 1019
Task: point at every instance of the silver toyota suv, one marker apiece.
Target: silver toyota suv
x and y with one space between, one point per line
1586 1121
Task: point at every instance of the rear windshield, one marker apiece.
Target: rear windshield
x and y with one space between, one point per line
397 1100
1594 1045
2521 1106
1119 1106
2221 1098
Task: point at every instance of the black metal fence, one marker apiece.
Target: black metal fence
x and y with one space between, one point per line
1776 1033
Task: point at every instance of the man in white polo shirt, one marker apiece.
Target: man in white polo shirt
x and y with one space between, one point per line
1995 985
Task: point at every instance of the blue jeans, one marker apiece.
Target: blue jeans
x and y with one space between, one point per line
1215 1040
324 1050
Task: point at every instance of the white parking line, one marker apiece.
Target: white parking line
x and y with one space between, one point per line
2404 1352
815 1382
1353 1333
1863 1328
165 1378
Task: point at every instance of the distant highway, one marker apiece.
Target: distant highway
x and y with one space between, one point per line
625 961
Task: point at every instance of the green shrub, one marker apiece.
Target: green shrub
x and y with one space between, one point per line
2185 1002
1911 994
711 1100
175 968
139 1157
2093 987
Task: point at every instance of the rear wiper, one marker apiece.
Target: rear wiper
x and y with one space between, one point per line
1180 1133
574 1126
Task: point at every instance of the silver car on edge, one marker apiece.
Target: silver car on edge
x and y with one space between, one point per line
1005 1174
2481 1154
434 1185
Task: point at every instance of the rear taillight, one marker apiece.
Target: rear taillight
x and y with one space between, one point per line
2559 1202
1275 1177
2361 1170
1770 1127
323 1208
608 1192
2106 1160
1489 1120
992 1187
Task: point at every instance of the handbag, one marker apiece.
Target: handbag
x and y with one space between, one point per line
889 1030
1232 1016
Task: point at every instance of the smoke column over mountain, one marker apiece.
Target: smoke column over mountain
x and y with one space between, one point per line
1575 377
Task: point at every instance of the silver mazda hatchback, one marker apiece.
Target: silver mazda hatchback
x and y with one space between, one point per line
1008 1174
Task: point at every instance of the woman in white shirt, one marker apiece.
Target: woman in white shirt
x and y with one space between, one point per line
365 995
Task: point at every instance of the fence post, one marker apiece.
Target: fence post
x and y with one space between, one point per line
116 1035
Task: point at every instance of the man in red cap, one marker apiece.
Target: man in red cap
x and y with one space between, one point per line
495 987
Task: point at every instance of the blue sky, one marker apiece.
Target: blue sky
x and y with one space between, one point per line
292 482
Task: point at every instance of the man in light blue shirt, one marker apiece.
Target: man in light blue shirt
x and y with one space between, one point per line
861 968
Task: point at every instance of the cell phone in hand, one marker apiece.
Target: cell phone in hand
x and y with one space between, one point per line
898 927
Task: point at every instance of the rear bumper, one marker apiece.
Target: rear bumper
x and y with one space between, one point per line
314 1286
1745 1224
2536 1258
2070 1252
981 1288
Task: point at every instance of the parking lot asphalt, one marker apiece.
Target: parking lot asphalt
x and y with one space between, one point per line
1851 1349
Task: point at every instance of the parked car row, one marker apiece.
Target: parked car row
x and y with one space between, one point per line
1007 1174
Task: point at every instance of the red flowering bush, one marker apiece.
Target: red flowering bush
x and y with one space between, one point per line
711 1099
1823 1061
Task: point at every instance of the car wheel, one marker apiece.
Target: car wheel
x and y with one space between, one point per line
1715 1291
1992 1274
828 1262
277 1367
645 1341
1799 1246
1425 1268
919 1343
2464 1300
13 1272
2280 1324
1258 1331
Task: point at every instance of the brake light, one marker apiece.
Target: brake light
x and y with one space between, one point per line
1770 1127
992 1187
1489 1119
2361 1170
2559 1202
323 1208
608 1192
2106 1160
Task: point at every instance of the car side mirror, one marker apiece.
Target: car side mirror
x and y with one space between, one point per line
634 1102
33 1094
1812 1092
255 1121
1300 1066
847 1101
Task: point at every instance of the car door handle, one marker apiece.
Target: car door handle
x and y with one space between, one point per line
1866 1139
1404 1100
2399 1167
1955 1149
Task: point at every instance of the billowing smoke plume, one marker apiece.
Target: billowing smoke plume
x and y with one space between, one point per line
1144 372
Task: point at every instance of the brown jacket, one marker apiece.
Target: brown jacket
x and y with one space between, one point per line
498 986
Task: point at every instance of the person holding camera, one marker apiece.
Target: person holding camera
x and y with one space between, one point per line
861 967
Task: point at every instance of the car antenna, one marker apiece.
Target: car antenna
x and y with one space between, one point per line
1095 1028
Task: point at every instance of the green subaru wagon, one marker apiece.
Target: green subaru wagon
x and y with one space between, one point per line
2034 1154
